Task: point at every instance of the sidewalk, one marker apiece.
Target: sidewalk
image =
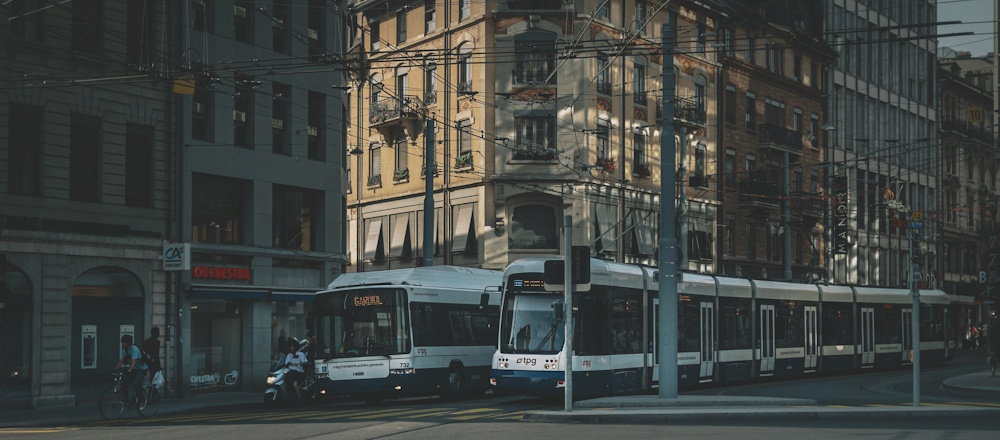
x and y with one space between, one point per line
651 409
88 412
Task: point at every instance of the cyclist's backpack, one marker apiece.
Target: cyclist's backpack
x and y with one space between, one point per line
145 357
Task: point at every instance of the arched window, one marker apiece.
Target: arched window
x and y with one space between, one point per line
15 326
533 226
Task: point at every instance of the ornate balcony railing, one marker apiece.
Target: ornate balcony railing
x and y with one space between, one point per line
759 192
639 97
768 134
392 109
604 87
690 110
465 87
533 152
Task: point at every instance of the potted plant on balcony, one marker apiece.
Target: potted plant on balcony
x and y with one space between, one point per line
643 170
605 164
533 152
464 160
375 180
401 174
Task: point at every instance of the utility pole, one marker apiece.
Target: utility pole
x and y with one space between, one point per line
619 242
915 315
568 312
429 168
667 264
786 219
682 242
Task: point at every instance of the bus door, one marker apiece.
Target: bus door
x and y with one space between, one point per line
907 336
766 341
867 336
946 331
812 338
707 339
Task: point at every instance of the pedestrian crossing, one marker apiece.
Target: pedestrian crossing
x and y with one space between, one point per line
331 415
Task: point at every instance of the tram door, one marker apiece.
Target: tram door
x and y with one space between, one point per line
766 339
707 339
867 336
812 344
907 336
654 340
948 347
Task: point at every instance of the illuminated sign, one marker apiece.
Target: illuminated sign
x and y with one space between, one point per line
367 300
221 273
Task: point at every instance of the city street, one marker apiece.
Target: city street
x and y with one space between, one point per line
500 416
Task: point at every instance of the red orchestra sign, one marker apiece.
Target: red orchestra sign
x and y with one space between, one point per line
220 273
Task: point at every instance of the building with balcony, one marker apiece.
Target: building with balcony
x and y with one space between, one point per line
882 151
771 144
85 191
538 112
968 170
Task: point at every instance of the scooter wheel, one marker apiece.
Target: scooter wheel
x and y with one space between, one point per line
270 400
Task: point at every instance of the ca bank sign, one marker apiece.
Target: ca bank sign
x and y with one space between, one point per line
177 256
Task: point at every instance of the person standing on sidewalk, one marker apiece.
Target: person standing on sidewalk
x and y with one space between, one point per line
993 344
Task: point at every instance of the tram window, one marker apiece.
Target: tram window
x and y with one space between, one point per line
589 318
836 324
734 325
789 327
626 321
688 332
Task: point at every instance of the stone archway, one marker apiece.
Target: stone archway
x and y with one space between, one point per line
15 332
105 299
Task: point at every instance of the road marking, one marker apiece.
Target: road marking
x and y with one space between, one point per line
35 430
991 405
507 415
397 413
291 415
879 405
442 413
839 406
338 414
472 414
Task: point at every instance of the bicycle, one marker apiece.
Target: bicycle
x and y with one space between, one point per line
113 403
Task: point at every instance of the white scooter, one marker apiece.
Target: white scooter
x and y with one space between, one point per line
277 392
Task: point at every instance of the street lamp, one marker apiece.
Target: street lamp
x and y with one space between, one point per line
358 152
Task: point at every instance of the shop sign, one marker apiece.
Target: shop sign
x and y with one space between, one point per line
221 273
176 256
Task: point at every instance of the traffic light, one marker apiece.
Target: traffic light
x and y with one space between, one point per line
555 270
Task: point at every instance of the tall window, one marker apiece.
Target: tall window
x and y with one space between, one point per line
730 168
639 84
751 50
464 150
375 165
401 26
730 236
699 164
639 150
750 166
640 12
24 163
702 30
85 158
730 104
88 25
464 9
774 112
218 209
430 16
751 111
430 81
317 126
243 111
281 110
751 234
293 213
536 132
280 23
202 105
139 31
376 39
603 74
775 58
316 29
535 59
243 13
139 165
202 19
797 120
603 137
31 26
814 129
465 72
797 67
401 156
604 8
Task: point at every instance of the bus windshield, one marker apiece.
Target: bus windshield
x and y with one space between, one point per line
364 322
530 326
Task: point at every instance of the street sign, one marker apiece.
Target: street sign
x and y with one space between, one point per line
916 225
975 114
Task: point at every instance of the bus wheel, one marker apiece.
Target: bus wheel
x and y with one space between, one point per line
456 382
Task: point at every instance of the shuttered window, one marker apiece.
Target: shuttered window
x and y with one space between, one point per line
139 165
85 158
24 159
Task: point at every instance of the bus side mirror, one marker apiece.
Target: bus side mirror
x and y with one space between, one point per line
484 301
558 313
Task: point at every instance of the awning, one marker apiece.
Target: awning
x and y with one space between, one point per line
604 225
463 227
399 233
374 239
277 295
643 233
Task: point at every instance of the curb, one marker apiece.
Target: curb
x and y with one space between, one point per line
705 414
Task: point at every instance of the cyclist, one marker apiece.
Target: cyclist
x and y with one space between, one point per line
131 357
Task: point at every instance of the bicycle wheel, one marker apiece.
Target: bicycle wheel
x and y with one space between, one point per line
151 404
111 404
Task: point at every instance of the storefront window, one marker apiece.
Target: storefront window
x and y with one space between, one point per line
288 321
215 344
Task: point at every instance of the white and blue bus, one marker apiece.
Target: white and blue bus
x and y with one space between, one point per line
395 333
729 330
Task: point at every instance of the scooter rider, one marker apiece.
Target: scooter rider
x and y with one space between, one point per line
296 361
136 367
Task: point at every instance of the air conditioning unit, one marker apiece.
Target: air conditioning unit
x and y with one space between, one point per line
312 130
277 123
239 116
239 11
313 35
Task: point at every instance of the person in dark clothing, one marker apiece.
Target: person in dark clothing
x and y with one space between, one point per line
152 347
993 344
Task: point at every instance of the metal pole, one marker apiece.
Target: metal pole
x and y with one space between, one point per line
429 168
568 313
667 317
682 242
786 219
915 315
619 243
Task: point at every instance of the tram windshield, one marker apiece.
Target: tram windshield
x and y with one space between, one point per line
530 326
364 322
